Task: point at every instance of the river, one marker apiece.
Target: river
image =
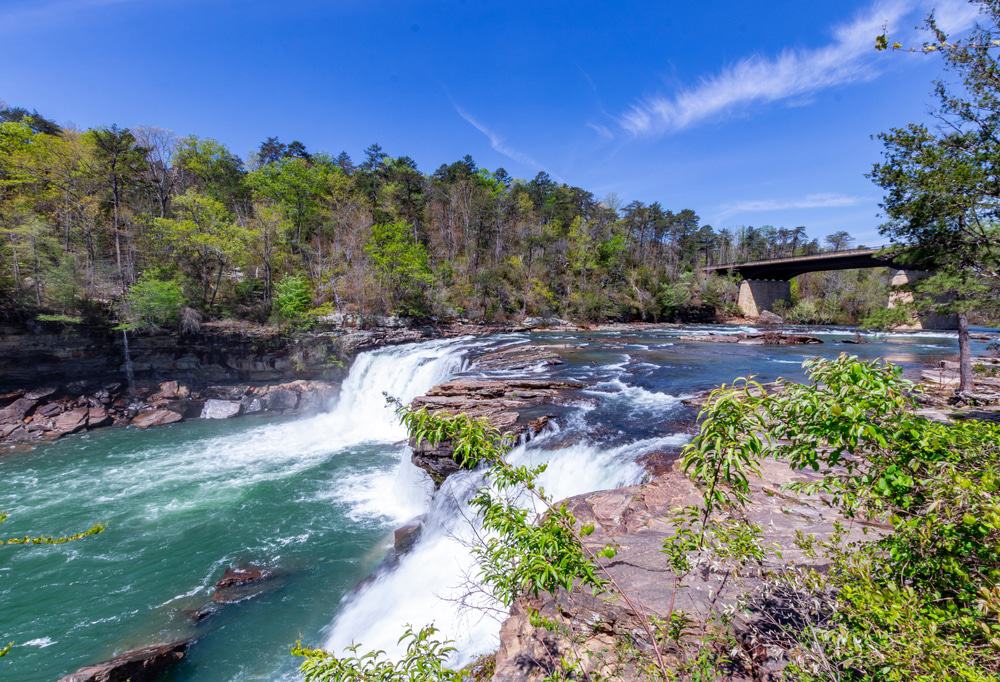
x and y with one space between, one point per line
316 499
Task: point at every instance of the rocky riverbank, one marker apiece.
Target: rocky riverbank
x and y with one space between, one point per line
58 379
635 519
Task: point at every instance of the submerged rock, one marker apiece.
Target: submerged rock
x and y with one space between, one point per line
139 665
240 582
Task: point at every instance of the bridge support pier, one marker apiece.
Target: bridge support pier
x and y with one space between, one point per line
761 294
898 296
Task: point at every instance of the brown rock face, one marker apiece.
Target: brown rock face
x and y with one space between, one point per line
71 421
17 410
636 520
502 402
139 665
517 357
144 420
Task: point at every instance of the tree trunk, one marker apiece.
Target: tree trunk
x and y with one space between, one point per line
964 355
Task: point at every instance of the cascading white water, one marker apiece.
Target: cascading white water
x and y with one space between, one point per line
436 581
221 466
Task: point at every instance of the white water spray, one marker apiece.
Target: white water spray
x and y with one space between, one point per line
436 581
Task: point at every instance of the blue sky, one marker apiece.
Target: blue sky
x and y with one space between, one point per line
748 112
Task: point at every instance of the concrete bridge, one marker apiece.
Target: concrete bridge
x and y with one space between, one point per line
766 282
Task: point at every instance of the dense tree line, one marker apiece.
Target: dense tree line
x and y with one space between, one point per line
120 220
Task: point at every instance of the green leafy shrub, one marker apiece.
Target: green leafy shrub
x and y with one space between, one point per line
922 602
424 660
155 302
885 319
292 298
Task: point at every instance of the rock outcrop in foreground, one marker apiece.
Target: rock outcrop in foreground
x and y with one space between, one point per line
636 520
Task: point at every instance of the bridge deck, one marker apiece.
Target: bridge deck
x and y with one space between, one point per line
786 268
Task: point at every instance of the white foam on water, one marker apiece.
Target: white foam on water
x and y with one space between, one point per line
396 494
636 396
40 642
195 474
437 581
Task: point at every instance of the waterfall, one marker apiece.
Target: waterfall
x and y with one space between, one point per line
403 372
436 581
129 374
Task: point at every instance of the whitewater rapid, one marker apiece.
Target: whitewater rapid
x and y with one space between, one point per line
436 582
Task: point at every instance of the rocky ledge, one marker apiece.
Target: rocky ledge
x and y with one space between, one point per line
515 406
517 358
50 413
636 519
767 338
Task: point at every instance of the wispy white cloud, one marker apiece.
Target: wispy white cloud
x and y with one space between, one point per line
819 200
601 130
794 74
952 16
497 143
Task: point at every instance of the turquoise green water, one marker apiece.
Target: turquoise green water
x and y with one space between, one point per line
316 499
172 529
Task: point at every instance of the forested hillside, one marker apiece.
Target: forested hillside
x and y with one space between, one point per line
140 226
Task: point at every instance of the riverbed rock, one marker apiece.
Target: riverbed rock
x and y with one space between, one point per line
404 537
97 417
70 422
517 358
17 410
157 417
281 400
49 410
220 409
636 519
768 338
510 405
139 665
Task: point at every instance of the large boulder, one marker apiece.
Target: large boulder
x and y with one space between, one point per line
98 416
769 318
158 417
50 410
281 400
220 409
139 665
70 422
17 410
